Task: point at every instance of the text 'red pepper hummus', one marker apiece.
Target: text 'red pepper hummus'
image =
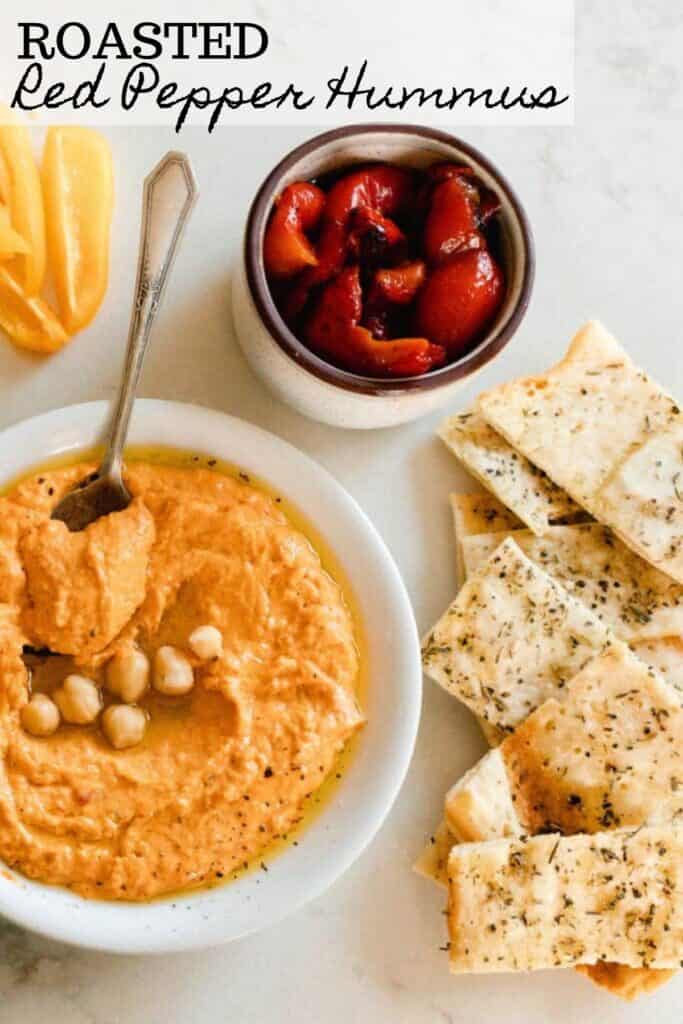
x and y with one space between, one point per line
221 772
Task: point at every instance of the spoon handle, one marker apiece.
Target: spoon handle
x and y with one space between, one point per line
169 195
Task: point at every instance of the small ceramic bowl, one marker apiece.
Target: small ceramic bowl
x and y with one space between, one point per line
309 383
391 698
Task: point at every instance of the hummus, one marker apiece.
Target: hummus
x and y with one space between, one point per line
220 773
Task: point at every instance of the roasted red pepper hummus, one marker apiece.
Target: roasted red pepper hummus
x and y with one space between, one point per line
220 772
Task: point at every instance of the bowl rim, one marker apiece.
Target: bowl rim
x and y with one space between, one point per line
288 342
344 827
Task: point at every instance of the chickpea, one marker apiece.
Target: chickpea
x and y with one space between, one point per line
206 642
173 673
123 725
128 675
40 716
79 700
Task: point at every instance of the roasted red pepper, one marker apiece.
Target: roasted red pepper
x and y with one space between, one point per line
452 223
372 237
379 191
377 313
401 284
459 300
286 249
332 332
382 189
391 288
339 308
401 357
456 206
436 173
363 291
487 202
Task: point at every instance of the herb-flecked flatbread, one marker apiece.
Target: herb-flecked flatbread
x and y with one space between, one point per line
665 655
512 638
626 982
474 514
608 435
516 482
632 597
555 901
481 513
643 499
433 861
610 755
482 804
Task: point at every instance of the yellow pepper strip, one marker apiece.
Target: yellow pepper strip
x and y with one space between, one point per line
5 183
78 185
11 241
29 321
25 200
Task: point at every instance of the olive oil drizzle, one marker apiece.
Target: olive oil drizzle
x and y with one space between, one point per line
316 801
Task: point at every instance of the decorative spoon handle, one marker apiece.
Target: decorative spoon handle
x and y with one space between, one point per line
169 195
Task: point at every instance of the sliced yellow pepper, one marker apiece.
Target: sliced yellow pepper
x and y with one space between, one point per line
11 241
25 199
29 321
78 185
5 183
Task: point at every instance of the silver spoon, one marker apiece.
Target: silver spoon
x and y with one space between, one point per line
170 192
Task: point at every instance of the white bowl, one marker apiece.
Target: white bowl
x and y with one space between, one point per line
376 770
294 373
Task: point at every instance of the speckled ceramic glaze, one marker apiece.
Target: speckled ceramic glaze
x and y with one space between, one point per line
310 384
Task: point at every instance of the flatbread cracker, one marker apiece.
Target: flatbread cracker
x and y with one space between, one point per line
579 420
626 982
473 514
512 638
554 901
643 499
492 734
481 805
600 427
516 482
433 861
633 598
477 513
665 655
609 756
481 513
478 807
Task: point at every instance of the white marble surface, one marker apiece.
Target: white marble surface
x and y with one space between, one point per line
605 201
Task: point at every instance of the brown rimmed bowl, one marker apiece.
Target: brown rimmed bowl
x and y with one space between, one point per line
312 385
